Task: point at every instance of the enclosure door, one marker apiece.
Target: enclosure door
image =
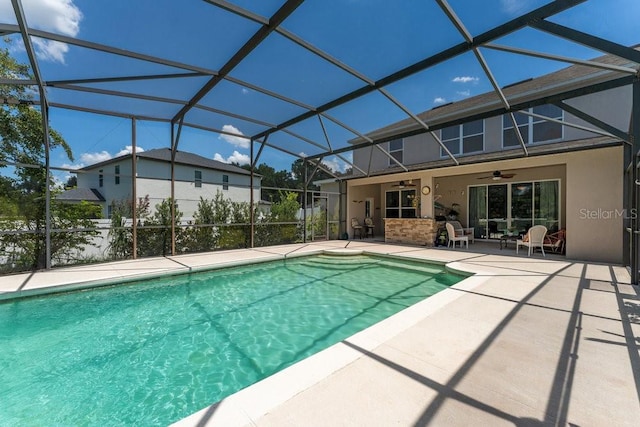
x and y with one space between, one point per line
319 224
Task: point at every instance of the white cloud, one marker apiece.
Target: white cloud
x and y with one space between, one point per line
86 159
515 7
336 165
439 100
57 16
50 50
235 157
464 92
91 158
245 91
128 150
237 138
465 79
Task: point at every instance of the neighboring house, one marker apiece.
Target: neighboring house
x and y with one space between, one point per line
563 177
195 177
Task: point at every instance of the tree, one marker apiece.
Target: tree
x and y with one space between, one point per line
23 194
121 235
297 170
203 236
72 182
154 238
286 212
274 179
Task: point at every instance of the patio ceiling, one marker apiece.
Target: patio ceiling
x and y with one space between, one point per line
309 87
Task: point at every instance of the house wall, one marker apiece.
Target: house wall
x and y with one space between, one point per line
595 205
154 179
611 106
109 190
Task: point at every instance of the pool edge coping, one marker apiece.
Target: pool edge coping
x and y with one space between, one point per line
8 296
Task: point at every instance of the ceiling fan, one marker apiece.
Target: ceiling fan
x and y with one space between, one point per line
403 184
498 175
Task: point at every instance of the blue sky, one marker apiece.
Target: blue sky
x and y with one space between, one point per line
375 37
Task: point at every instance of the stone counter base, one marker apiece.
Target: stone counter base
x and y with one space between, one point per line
416 231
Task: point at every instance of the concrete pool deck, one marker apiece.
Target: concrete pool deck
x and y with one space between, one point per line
525 341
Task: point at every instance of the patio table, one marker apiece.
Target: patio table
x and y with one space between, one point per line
505 238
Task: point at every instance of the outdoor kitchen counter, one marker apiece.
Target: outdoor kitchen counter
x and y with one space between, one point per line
416 231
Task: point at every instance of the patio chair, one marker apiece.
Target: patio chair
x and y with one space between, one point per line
368 227
533 239
357 228
463 231
451 233
555 242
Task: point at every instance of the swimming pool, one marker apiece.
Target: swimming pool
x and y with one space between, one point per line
153 352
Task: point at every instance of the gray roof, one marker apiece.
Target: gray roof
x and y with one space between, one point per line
79 194
182 157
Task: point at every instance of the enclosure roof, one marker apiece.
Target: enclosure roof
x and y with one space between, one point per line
306 78
575 77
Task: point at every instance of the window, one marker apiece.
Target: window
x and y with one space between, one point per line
109 211
533 129
463 139
401 204
100 178
225 182
198 178
117 174
396 150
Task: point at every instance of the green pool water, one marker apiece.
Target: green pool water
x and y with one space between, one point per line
153 352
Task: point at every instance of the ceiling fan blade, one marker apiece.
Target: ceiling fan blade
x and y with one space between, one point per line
508 175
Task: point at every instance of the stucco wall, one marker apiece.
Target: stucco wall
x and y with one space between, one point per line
612 106
591 194
595 205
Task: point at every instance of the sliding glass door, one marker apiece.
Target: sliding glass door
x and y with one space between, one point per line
498 209
547 205
478 210
521 206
